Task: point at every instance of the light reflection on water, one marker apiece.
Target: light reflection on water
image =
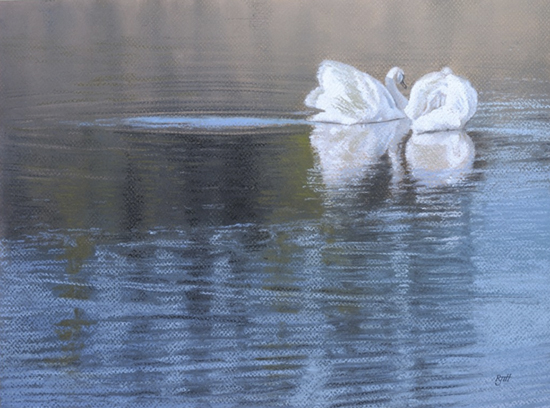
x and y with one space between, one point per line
174 233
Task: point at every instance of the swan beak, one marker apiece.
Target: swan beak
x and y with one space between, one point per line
403 84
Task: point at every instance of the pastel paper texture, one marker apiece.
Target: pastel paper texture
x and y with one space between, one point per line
175 231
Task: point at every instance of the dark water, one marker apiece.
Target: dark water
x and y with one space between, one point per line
152 257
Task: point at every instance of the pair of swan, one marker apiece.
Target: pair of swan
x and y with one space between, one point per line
439 101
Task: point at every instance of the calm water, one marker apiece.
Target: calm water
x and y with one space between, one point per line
173 233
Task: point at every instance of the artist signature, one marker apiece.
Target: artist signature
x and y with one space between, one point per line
502 378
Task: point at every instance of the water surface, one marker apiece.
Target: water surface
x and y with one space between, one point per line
174 233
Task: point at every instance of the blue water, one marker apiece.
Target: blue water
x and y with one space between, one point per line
175 233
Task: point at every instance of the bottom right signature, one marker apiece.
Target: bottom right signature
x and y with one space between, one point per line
502 378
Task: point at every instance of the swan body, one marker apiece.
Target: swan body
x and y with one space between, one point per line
440 158
441 101
349 96
346 152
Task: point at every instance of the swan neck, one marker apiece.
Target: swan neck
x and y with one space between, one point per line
397 96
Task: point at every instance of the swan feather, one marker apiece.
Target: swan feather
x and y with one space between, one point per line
347 95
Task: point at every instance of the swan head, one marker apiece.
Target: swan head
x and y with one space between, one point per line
397 75
447 71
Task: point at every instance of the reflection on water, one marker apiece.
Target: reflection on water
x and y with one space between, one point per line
441 157
347 152
76 287
174 233
70 331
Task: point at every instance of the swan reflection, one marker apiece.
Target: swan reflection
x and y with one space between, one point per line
440 158
346 152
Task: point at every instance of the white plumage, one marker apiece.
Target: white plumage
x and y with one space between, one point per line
441 101
346 95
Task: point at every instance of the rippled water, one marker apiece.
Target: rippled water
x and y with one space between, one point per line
174 233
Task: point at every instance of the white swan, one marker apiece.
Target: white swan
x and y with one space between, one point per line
348 96
441 101
440 158
346 152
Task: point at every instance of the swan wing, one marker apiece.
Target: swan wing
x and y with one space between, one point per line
472 105
461 101
428 93
346 95
441 102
